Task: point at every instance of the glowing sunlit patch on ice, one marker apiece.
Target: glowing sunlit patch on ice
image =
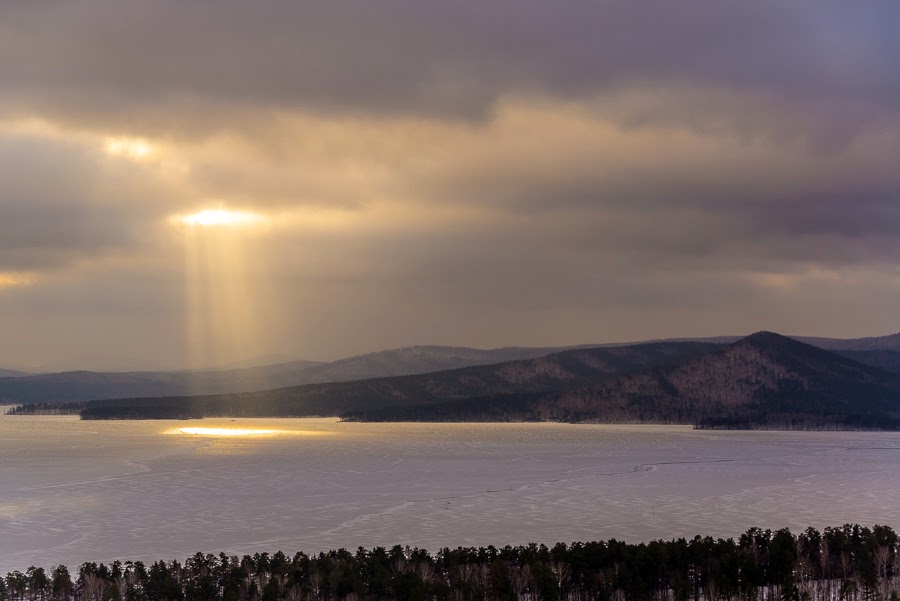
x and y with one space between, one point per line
220 217
225 431
242 432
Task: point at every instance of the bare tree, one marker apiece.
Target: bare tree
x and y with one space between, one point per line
293 594
94 586
520 577
425 571
315 581
562 571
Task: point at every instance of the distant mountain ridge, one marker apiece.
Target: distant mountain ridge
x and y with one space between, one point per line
890 342
76 386
761 381
555 372
411 360
88 385
18 387
885 359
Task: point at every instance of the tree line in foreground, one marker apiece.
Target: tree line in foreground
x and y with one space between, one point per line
848 563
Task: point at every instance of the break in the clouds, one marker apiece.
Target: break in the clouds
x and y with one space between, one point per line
460 173
65 200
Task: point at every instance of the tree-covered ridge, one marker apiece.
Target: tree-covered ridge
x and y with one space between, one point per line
849 563
762 381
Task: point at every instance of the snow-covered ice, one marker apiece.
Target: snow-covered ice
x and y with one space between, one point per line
73 491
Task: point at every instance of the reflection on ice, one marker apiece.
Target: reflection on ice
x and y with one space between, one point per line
254 432
225 431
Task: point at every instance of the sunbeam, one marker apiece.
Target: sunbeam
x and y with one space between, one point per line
222 303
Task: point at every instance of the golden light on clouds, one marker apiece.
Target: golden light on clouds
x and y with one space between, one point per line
131 148
10 279
220 218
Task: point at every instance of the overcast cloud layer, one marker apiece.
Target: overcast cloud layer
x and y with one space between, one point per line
509 173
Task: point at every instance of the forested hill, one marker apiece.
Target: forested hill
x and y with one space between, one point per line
762 381
557 372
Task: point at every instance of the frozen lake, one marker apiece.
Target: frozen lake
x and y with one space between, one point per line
73 491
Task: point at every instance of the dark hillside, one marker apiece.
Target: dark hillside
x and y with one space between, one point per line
762 380
889 360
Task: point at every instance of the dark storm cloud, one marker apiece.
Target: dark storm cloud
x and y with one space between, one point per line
185 64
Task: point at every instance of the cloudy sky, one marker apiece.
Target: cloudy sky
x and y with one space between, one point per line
403 172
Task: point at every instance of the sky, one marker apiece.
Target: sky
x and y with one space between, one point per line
517 172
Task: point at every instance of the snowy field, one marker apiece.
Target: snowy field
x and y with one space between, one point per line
73 491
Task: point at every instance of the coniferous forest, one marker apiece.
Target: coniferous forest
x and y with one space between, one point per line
843 563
